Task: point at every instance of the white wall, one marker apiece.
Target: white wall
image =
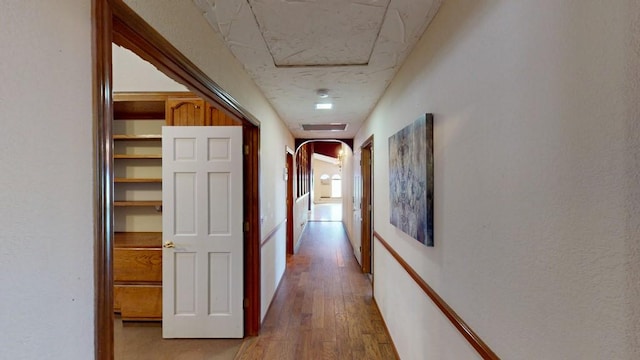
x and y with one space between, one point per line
300 218
537 196
46 180
353 207
321 167
271 271
183 25
348 206
131 73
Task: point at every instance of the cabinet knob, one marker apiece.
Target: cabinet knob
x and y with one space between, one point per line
169 244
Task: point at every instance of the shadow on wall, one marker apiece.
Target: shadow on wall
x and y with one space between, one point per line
456 28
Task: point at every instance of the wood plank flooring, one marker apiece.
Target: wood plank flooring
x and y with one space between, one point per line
323 308
326 212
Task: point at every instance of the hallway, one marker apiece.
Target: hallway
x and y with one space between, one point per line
323 308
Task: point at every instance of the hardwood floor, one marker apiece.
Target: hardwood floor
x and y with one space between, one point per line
322 310
326 212
324 307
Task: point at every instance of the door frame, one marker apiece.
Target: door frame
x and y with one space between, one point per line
290 199
113 21
366 212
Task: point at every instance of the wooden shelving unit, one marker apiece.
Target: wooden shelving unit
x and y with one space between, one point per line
137 143
137 258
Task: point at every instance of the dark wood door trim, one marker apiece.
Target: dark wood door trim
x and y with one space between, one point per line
103 176
289 163
366 211
252 248
114 21
132 32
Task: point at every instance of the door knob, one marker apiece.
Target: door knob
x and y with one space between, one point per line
169 244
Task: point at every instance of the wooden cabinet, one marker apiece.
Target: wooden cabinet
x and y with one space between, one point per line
217 117
137 275
193 111
137 144
138 302
185 112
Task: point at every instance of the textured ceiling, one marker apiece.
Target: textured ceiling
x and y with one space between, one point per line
309 38
292 48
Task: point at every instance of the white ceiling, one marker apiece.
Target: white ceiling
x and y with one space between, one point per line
292 48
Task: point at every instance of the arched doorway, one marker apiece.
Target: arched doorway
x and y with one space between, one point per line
337 154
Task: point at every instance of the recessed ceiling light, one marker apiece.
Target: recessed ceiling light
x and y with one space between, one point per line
324 106
323 93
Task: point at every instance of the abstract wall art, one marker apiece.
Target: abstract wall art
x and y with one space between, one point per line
411 179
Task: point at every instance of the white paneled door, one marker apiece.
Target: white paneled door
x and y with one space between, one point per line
202 259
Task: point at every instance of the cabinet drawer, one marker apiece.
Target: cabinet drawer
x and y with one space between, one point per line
139 302
137 264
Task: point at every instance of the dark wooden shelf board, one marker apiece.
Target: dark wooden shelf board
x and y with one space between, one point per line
140 109
137 203
137 137
136 156
137 239
138 180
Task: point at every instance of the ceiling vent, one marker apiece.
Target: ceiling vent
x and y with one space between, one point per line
324 127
